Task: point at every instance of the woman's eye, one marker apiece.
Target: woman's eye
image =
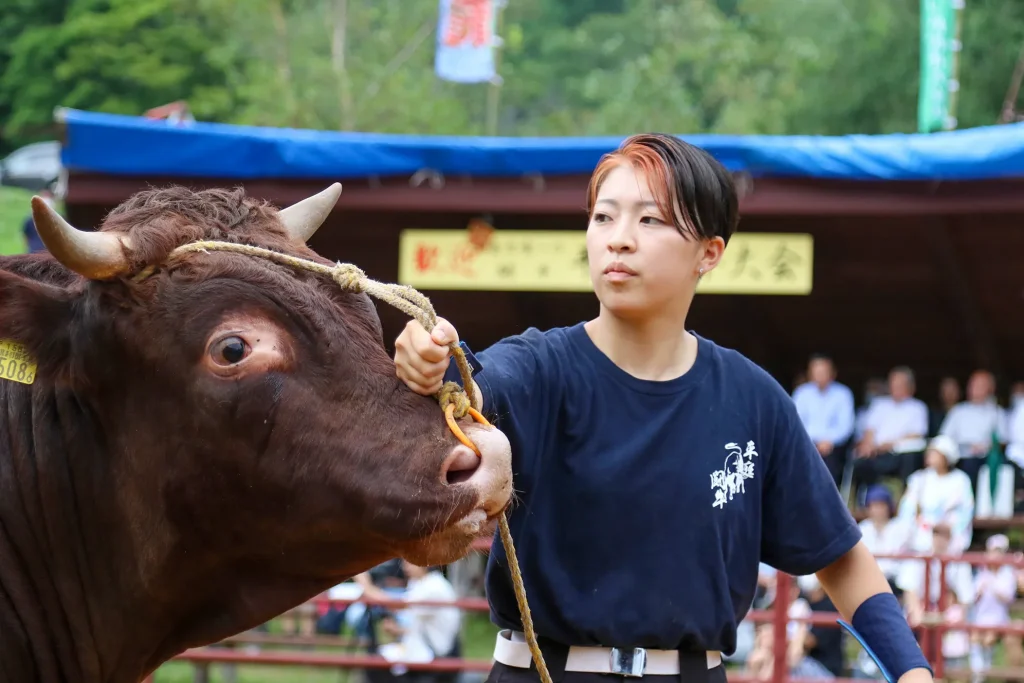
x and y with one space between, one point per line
600 217
652 220
229 351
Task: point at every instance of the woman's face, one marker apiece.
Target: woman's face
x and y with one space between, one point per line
935 460
640 264
878 511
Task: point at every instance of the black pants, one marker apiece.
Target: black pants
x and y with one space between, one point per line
972 468
836 461
693 668
867 471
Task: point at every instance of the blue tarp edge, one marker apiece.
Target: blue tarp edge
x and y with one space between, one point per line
134 146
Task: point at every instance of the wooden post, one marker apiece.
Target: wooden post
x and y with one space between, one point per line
780 646
494 88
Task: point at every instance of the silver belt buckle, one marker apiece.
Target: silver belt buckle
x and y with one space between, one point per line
629 663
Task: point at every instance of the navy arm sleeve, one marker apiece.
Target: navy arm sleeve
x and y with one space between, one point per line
805 524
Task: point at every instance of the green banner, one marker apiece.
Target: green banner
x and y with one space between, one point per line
938 64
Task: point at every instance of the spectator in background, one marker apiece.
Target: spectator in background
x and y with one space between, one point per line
423 633
823 644
949 396
1015 436
995 588
33 243
1016 395
383 582
873 388
939 494
761 662
826 409
958 597
894 432
882 534
976 424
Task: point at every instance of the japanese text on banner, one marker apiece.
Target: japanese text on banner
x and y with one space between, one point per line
556 261
938 64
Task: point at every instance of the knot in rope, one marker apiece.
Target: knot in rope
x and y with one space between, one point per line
451 394
349 277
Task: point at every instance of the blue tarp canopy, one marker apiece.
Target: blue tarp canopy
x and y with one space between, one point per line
134 146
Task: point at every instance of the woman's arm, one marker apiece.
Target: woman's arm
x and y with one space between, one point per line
910 505
850 581
1006 587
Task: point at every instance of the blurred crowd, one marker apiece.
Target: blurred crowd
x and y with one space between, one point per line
919 476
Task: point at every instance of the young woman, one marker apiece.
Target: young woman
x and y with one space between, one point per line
940 492
655 469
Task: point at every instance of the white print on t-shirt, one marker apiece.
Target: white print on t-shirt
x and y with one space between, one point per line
728 481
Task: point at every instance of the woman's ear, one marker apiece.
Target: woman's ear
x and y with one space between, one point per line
714 249
39 317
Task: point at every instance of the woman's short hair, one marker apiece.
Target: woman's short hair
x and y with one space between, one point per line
692 188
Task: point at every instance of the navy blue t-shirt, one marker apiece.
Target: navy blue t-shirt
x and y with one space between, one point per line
643 506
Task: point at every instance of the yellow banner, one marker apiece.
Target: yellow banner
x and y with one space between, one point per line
556 261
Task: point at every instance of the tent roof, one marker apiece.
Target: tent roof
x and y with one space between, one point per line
135 146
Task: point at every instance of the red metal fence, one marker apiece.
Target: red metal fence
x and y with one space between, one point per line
930 632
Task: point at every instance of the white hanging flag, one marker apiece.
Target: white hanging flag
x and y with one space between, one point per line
466 41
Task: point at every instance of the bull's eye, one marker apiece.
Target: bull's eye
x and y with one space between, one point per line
229 351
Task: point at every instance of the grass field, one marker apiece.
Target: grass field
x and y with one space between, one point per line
478 643
14 208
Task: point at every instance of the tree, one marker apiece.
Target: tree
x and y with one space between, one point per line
121 56
18 17
588 67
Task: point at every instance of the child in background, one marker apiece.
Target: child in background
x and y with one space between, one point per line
882 534
955 600
995 588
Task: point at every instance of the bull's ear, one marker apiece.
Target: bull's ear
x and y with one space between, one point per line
39 317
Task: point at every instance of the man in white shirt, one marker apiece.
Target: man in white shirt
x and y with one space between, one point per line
1015 436
973 424
894 432
826 409
1015 444
424 632
1016 395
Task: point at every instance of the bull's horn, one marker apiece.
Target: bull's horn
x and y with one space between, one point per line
302 220
95 255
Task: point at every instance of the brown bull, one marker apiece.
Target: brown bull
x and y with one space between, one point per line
205 447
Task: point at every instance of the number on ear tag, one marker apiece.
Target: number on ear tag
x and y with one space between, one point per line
15 362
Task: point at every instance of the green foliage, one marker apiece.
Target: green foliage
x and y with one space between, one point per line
588 67
121 56
14 209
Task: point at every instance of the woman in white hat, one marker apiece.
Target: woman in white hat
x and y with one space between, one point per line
939 493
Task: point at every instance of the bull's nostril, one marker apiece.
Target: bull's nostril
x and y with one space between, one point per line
460 465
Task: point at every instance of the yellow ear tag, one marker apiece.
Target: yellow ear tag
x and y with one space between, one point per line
15 362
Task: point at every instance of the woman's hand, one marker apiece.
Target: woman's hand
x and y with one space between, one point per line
421 357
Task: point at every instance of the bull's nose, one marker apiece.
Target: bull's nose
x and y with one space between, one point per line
460 465
491 474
